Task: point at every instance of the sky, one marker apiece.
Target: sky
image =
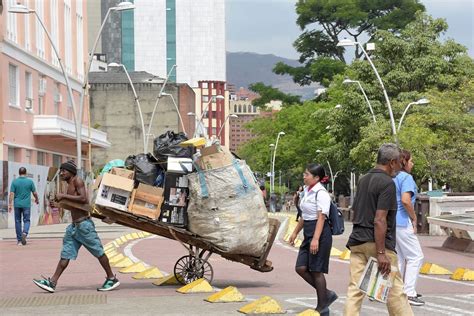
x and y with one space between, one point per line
269 26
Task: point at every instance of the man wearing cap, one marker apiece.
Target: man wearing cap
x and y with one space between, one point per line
81 232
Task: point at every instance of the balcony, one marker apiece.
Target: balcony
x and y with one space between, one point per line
53 125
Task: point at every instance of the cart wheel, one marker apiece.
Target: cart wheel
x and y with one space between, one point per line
188 269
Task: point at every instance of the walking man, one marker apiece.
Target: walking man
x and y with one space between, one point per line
373 233
20 200
80 233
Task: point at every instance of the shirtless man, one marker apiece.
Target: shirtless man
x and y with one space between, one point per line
80 233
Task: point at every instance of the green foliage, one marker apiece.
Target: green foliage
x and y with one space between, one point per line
268 93
323 22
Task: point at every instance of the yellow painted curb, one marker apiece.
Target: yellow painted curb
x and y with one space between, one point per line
297 243
134 268
264 305
462 274
123 239
119 241
135 235
146 234
111 254
198 286
167 280
128 237
150 273
287 237
309 312
431 268
229 294
141 235
116 258
125 262
335 252
109 246
345 255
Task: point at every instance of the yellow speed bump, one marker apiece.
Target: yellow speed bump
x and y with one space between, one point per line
198 286
111 254
264 305
335 252
431 268
229 294
462 274
125 262
345 255
116 258
134 268
150 273
308 312
167 280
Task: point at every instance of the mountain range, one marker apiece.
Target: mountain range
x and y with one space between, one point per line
245 68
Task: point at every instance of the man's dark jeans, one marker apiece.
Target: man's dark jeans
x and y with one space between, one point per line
19 213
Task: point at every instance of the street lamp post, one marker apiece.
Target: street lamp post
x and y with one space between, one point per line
348 81
200 122
272 185
225 121
177 110
422 101
333 176
347 42
21 9
156 105
136 99
272 147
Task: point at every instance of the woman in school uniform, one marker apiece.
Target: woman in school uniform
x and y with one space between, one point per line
313 257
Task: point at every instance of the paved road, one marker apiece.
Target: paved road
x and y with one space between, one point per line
76 290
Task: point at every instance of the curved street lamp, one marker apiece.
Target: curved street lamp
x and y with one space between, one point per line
422 101
201 118
333 176
346 42
136 99
21 9
226 119
177 110
156 105
348 81
272 185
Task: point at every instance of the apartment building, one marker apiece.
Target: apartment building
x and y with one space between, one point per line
37 116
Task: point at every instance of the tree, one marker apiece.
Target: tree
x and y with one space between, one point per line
323 22
268 93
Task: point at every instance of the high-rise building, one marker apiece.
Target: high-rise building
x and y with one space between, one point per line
159 34
37 115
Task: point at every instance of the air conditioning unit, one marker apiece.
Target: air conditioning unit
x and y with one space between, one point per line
28 104
58 98
42 86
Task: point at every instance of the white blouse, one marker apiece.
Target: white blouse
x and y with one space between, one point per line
310 208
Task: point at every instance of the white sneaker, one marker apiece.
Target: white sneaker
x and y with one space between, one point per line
19 243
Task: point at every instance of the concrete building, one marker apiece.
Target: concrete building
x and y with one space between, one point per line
37 118
114 110
159 34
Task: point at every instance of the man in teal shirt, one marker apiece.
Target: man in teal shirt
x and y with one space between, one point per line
20 199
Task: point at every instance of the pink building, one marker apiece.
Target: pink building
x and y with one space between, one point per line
37 119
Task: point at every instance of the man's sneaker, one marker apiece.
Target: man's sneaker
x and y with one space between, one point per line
19 243
419 295
46 284
109 285
23 239
415 301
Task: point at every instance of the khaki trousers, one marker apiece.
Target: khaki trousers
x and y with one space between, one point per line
397 302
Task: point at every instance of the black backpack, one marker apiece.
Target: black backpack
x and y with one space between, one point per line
335 218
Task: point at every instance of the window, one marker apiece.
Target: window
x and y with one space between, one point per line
213 131
80 41
204 85
28 90
28 156
54 30
235 107
57 159
68 35
14 91
11 22
205 98
39 8
40 105
27 32
57 99
13 154
40 158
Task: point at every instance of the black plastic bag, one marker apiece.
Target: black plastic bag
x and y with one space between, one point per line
167 145
145 166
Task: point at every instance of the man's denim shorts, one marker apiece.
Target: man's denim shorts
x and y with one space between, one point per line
81 234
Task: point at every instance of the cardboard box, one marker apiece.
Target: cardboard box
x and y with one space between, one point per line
179 165
121 172
114 191
146 201
214 157
97 182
